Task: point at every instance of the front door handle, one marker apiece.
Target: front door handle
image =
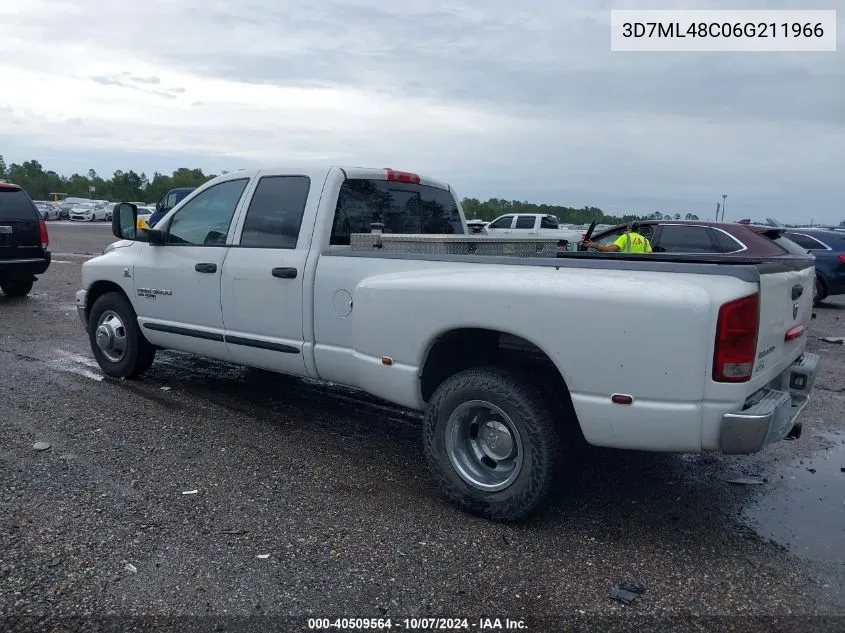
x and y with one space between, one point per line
206 268
284 273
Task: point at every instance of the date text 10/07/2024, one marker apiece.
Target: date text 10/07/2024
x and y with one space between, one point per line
416 624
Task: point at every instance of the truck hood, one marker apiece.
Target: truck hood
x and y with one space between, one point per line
118 244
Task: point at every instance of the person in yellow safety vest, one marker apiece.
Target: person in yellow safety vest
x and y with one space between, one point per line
629 242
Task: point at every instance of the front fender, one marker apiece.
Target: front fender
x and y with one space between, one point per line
114 269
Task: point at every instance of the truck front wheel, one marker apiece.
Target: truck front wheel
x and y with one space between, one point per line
116 340
492 443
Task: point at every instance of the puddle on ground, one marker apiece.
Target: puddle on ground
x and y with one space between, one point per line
805 511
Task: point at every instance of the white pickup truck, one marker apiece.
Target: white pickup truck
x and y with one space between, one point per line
514 360
528 225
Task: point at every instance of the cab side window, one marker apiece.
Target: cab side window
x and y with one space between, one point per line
806 241
682 238
524 222
502 223
205 220
646 231
170 201
275 212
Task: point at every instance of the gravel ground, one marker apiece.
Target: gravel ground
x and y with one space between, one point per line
316 503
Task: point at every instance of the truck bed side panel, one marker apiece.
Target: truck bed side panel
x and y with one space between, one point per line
607 332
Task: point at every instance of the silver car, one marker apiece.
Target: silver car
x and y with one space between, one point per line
48 210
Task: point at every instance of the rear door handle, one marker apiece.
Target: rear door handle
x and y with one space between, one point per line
206 268
284 273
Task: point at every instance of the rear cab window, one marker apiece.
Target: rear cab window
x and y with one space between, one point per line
402 207
524 222
16 205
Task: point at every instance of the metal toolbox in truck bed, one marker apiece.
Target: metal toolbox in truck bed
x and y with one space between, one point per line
454 244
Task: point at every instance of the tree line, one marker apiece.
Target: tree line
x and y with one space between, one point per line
41 183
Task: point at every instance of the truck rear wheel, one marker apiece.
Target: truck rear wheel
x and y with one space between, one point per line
492 443
116 340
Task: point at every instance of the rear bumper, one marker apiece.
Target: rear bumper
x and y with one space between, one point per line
24 268
772 413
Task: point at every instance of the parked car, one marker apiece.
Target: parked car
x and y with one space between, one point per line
24 241
280 270
528 225
477 226
88 212
693 236
828 248
48 210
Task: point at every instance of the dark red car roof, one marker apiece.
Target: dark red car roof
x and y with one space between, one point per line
752 236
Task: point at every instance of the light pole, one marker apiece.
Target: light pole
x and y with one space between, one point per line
724 197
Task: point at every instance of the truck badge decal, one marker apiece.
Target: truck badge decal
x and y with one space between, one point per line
151 293
766 352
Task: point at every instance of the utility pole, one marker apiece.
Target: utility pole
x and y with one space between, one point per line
724 204
718 206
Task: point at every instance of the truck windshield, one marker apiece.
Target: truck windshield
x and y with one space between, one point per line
402 208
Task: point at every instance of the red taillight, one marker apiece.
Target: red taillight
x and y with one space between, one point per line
42 229
842 257
736 340
403 176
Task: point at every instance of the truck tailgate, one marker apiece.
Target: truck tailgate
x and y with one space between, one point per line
786 304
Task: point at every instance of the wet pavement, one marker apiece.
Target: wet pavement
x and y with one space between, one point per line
804 508
314 501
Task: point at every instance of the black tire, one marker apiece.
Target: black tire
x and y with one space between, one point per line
820 291
139 354
542 443
16 288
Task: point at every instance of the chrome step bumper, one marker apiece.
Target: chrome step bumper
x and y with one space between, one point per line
772 413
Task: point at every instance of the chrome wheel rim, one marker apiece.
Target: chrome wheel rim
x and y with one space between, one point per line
484 445
110 336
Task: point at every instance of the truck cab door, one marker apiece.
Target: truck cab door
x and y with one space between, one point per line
264 273
526 225
502 225
178 283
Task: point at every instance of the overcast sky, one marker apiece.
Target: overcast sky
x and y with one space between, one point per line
502 99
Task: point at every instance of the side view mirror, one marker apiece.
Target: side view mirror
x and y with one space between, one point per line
124 225
124 221
159 206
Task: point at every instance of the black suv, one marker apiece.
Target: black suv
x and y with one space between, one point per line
23 241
